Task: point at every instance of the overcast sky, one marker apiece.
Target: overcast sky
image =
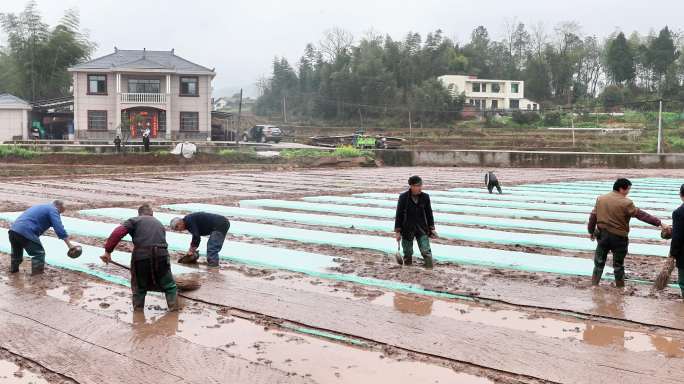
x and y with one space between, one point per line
240 38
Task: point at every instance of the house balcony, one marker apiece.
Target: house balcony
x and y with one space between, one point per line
143 98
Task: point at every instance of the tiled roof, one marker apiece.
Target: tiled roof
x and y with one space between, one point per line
143 59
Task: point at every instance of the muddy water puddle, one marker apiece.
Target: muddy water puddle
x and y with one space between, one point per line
561 327
13 373
323 360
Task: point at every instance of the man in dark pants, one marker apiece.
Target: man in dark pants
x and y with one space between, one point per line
414 220
203 224
609 225
117 143
25 232
677 244
491 181
150 260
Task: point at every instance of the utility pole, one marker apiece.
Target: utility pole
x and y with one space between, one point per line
238 131
285 109
660 125
410 130
572 123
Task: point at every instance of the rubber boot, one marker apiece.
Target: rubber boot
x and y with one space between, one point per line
596 277
172 302
428 261
682 293
14 267
138 303
620 283
408 260
37 270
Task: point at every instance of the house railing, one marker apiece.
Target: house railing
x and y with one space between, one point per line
143 98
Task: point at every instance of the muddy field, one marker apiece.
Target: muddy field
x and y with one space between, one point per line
302 297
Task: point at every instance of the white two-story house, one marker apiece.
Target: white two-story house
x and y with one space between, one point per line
489 94
129 91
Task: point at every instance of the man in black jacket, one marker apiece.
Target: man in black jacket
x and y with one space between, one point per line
491 182
677 244
414 220
203 224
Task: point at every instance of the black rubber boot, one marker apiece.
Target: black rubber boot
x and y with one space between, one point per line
14 267
596 276
428 261
620 283
408 260
35 271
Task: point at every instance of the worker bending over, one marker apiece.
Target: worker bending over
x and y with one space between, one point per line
203 224
609 226
25 232
414 220
150 261
677 244
491 181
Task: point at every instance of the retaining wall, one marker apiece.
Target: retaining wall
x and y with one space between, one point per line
530 159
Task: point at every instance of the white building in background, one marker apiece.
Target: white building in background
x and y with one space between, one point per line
14 117
489 94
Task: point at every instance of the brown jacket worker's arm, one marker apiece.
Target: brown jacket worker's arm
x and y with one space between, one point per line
591 226
645 217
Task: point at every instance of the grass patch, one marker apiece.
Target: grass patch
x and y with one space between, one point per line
14 151
345 151
239 156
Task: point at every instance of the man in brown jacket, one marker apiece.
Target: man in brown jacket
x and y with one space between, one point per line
609 225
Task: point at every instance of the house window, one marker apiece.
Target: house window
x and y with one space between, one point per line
189 121
189 86
97 84
496 88
97 120
495 104
515 104
476 87
534 107
143 85
162 121
529 107
484 87
515 87
478 104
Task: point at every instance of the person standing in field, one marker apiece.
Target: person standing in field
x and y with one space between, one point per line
677 244
609 226
492 182
150 260
414 220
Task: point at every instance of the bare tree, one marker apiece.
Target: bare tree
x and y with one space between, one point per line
336 42
539 38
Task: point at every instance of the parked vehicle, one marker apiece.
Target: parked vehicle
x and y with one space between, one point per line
263 134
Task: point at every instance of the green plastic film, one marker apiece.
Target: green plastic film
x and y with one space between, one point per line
447 253
55 255
386 225
325 203
580 243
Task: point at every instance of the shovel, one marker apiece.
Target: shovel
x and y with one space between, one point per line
398 256
664 275
186 282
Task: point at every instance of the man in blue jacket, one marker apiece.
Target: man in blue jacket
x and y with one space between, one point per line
25 232
677 244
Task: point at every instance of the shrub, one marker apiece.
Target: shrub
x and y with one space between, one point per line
525 118
552 119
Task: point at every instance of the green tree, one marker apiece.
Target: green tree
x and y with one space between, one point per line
620 60
37 56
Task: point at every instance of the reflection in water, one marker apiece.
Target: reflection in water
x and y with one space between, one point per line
421 306
165 326
603 336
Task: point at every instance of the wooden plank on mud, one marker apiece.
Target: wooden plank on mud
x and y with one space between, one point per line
518 352
95 349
